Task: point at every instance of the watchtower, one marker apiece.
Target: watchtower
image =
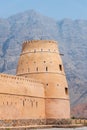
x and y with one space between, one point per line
40 59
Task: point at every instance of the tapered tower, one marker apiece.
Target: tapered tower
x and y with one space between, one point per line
40 59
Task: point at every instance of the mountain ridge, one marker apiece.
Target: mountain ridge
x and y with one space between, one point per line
71 37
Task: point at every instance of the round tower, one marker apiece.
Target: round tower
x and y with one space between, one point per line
40 59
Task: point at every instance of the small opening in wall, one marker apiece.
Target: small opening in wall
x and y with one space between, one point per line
47 84
7 103
23 103
41 49
60 67
66 91
36 104
37 69
46 68
44 61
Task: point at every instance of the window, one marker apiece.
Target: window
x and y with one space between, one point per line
41 49
23 103
66 90
46 68
36 104
7 103
60 67
37 69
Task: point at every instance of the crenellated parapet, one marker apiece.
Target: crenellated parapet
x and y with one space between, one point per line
7 77
37 46
21 86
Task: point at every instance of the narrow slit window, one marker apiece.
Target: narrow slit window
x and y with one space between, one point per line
60 67
36 104
41 49
23 103
37 69
66 91
46 68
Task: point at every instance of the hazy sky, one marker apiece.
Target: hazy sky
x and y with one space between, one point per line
57 9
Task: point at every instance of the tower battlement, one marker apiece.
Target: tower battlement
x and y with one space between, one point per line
35 41
39 46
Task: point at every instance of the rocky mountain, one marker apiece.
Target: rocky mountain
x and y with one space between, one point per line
72 40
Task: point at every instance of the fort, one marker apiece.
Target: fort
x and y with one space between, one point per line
39 91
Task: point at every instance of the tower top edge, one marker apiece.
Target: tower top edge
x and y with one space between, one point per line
36 41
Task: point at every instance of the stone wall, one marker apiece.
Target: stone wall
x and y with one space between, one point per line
21 98
40 59
25 96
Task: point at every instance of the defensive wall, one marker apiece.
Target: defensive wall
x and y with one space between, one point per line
21 98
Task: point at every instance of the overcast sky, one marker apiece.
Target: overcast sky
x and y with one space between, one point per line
57 9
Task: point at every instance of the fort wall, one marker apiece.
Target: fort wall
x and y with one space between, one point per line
21 98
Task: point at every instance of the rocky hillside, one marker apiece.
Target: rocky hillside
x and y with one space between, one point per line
72 38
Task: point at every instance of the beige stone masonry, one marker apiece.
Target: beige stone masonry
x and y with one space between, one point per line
39 91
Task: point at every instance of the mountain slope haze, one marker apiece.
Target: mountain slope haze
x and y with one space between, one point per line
72 41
